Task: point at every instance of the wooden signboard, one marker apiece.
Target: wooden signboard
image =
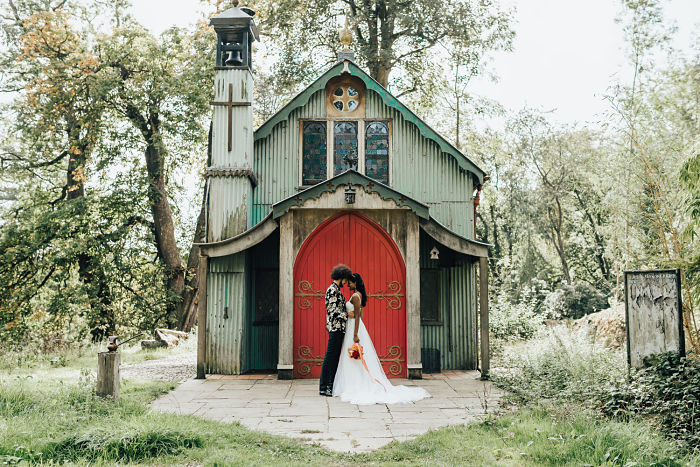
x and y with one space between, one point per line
653 314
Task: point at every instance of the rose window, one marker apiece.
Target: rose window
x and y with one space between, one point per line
345 98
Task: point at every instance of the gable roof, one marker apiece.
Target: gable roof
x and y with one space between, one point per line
389 100
350 177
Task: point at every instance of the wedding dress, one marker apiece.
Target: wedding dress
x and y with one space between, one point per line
357 385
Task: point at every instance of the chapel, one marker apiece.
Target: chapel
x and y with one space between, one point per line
343 173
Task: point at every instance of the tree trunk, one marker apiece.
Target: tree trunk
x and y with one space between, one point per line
599 241
556 224
164 228
191 298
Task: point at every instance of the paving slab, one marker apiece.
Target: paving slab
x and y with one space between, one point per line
295 409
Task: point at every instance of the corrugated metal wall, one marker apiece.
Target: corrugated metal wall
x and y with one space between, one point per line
276 158
419 168
455 338
227 317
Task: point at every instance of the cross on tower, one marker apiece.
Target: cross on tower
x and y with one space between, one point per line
230 104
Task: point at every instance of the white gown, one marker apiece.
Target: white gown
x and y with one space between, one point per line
355 385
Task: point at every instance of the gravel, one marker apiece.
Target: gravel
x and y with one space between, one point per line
179 367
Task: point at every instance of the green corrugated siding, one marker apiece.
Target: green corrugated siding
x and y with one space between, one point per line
419 168
457 310
276 158
226 342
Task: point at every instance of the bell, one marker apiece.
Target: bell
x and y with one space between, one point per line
234 58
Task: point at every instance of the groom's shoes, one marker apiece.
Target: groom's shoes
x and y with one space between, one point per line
326 392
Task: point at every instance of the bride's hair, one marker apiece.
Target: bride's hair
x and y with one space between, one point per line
360 286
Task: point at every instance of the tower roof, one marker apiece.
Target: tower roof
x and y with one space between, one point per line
235 17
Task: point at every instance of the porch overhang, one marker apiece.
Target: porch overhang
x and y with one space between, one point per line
241 242
453 241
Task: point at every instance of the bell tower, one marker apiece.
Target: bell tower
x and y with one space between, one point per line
231 178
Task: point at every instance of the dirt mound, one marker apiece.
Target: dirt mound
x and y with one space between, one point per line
607 327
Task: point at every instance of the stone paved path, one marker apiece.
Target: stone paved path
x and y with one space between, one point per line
294 408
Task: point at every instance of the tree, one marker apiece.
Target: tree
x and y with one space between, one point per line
162 87
390 35
60 118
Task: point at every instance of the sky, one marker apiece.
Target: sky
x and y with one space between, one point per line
566 53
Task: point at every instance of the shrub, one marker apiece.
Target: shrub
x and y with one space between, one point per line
561 364
574 301
513 320
668 391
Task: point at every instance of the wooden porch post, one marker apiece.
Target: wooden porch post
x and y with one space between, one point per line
285 362
202 318
413 361
484 315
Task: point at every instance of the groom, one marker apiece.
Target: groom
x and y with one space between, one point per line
336 318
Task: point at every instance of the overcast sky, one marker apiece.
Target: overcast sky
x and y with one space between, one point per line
566 52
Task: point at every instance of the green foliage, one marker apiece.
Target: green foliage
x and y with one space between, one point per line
44 297
514 320
574 301
667 391
82 248
561 365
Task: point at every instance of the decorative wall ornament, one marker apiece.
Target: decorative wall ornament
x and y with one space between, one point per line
393 359
392 296
305 292
349 195
434 253
306 359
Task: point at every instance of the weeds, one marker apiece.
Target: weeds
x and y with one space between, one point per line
561 365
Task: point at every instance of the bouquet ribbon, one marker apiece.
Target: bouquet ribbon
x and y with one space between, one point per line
358 348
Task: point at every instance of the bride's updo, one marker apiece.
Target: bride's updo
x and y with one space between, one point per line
360 286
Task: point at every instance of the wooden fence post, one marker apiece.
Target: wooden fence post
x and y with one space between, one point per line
108 374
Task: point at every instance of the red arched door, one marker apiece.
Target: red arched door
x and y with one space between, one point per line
366 248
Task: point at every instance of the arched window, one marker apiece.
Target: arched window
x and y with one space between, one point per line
377 151
314 157
344 146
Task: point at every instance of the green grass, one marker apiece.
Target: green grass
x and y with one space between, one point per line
60 422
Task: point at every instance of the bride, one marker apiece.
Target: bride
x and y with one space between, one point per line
365 383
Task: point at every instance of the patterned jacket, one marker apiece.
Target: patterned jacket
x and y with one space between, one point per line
336 314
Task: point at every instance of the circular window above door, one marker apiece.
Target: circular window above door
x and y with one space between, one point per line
345 97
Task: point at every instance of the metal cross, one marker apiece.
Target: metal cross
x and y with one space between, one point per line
230 104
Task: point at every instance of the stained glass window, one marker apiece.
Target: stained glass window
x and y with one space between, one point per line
345 144
377 151
314 153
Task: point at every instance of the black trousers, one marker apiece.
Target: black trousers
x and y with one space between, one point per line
330 361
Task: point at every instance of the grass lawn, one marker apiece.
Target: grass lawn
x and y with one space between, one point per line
47 417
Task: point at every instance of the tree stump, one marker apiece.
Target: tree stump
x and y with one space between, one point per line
108 374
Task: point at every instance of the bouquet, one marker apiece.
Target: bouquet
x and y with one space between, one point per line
355 352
